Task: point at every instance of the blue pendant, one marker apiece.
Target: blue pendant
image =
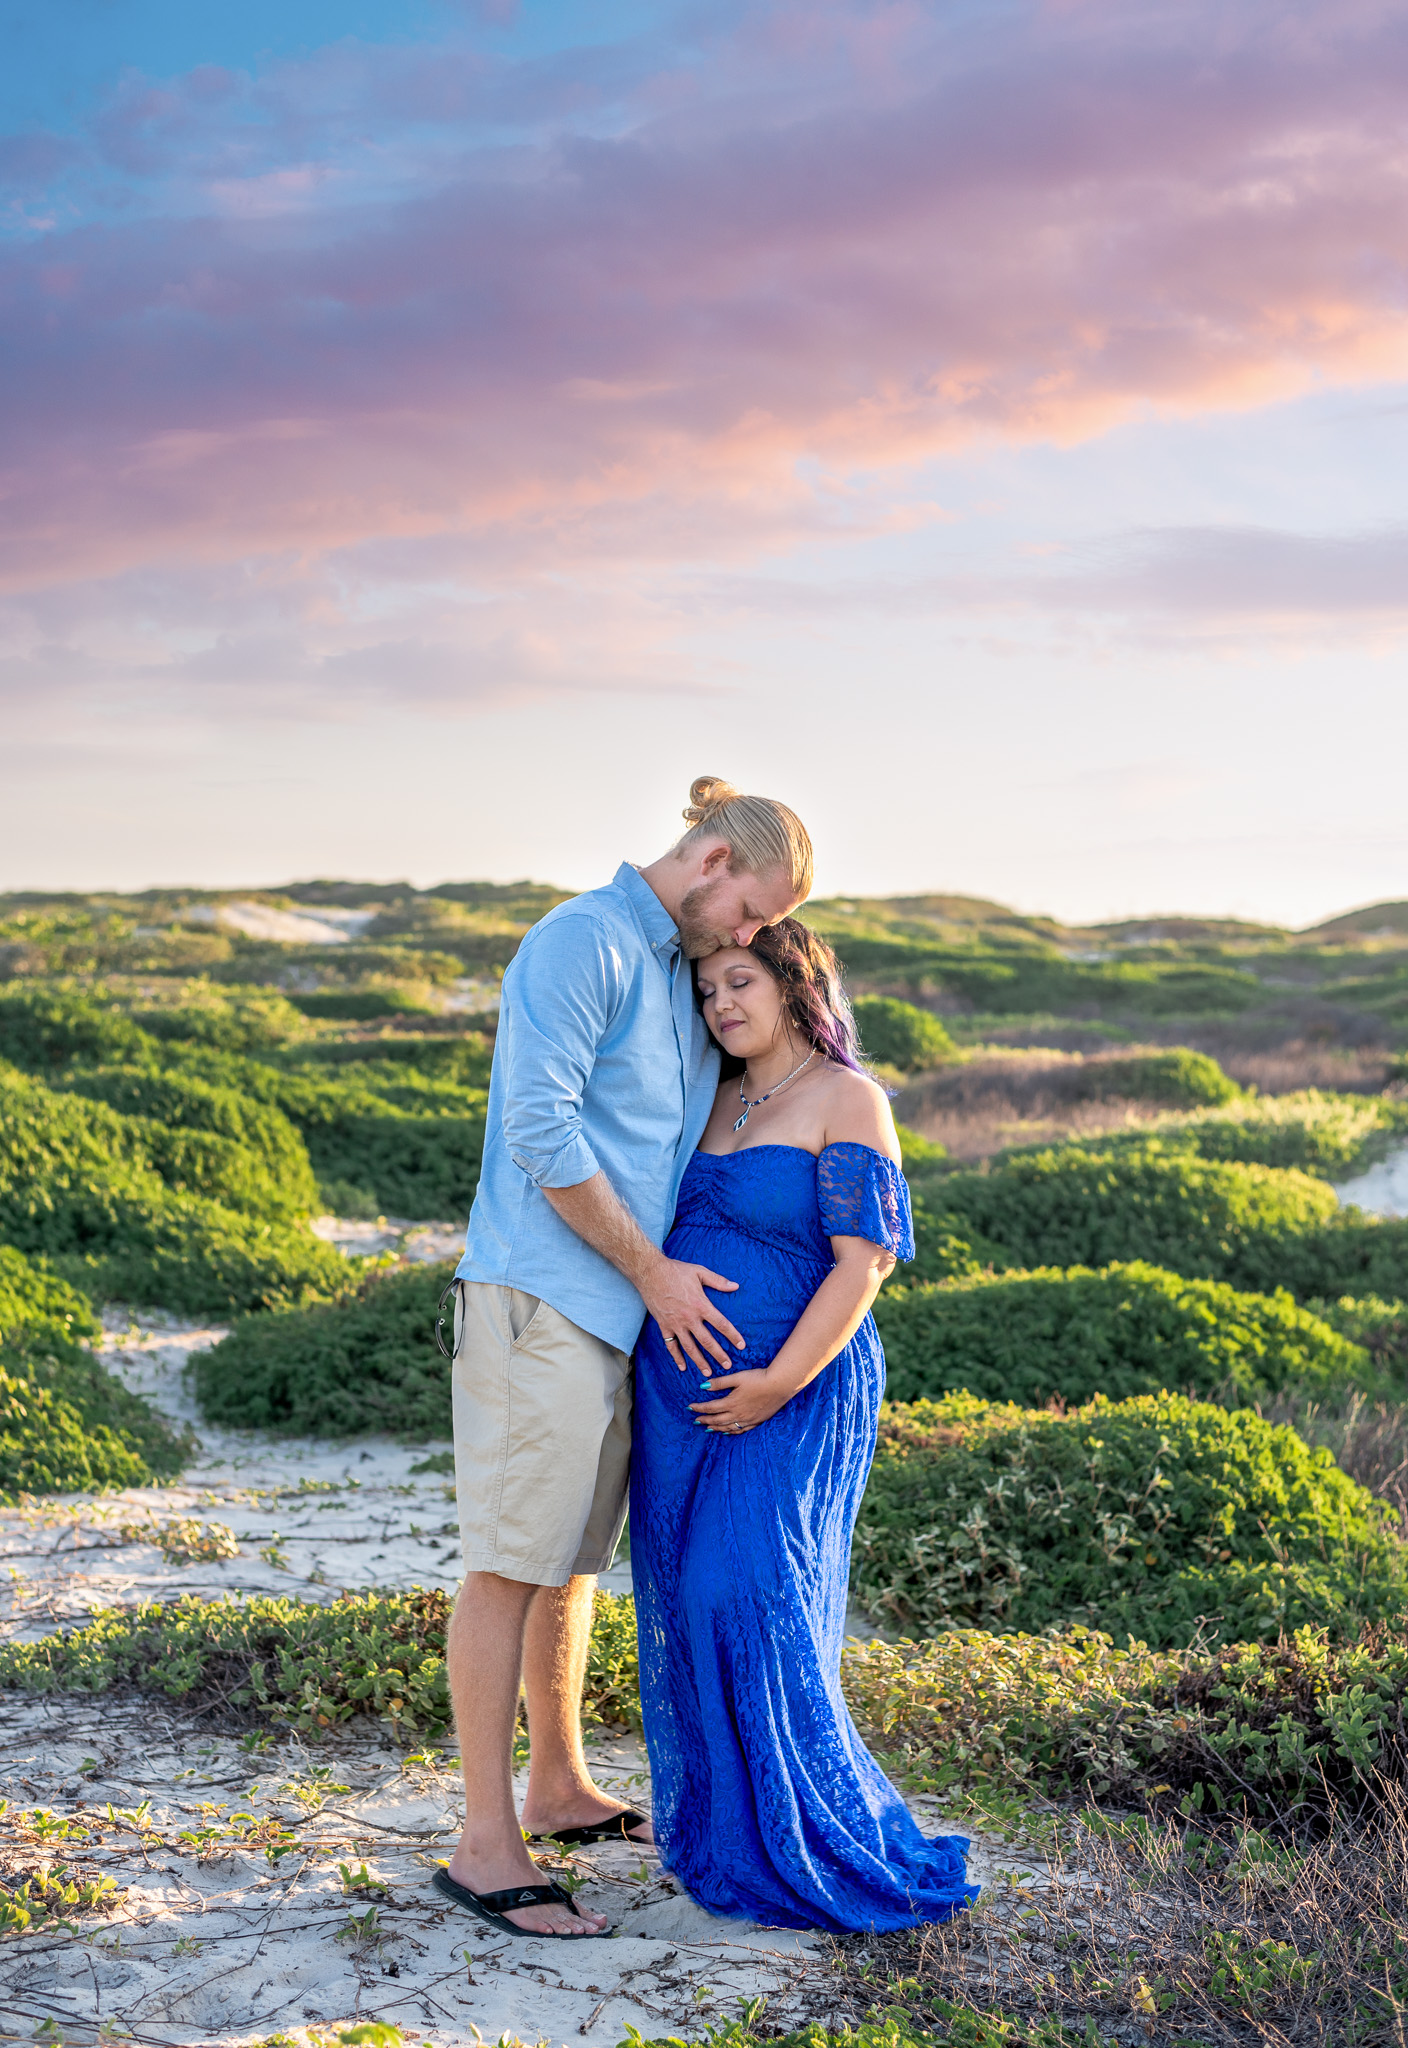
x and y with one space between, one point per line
743 1119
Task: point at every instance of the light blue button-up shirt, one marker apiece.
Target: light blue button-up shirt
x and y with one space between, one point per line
602 1062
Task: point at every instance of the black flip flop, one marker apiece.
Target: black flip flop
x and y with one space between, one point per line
494 1907
615 1828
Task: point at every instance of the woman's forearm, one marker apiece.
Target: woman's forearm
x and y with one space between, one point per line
829 1321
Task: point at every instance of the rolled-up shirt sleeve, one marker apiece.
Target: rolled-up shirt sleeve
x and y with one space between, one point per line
563 991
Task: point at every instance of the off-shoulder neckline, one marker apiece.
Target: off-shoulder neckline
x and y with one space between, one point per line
855 1144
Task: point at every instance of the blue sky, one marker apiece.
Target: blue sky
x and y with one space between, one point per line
436 433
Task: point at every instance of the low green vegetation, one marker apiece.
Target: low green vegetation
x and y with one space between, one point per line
1158 1517
42 1028
175 1166
306 1664
1296 1727
67 1424
360 1004
367 1364
1129 1329
1332 1136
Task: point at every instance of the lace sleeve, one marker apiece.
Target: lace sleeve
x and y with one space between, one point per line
861 1193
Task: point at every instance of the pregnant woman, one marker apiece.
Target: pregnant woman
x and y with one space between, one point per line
745 1481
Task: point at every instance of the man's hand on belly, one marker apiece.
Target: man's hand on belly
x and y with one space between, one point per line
673 1291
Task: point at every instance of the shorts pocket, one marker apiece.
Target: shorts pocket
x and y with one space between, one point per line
523 1311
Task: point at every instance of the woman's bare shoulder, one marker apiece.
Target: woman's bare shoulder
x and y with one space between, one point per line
858 1112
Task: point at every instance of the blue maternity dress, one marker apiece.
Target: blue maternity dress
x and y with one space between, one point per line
767 1804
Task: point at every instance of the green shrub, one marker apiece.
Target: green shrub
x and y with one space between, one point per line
1181 1078
365 1365
415 1166
916 1153
1066 1206
204 1139
37 1307
303 1662
944 1247
1036 980
47 1445
229 1020
1301 1728
344 1198
41 1028
1321 1133
462 1058
1332 1135
66 1423
358 1005
1131 1329
1256 1227
76 1185
409 1133
1380 1326
1298 1726
1156 1517
195 1258
900 1034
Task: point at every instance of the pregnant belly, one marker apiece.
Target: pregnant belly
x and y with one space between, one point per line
774 1287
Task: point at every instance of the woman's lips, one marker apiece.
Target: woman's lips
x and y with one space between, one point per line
733 1026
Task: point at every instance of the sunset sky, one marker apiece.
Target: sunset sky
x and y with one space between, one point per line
434 432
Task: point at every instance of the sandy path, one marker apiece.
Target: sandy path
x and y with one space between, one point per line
212 1940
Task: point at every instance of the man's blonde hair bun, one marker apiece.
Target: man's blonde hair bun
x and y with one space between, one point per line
706 793
762 836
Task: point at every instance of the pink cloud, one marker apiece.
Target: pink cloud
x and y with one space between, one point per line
840 239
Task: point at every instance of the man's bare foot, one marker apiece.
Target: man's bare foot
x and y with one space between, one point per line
583 1806
502 1873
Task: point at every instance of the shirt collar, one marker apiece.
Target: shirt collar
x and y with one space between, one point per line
660 928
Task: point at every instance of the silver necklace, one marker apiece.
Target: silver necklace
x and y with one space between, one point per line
775 1089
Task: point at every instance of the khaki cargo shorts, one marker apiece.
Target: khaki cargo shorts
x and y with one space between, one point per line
542 1416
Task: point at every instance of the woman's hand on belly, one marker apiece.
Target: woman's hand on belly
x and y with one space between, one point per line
742 1400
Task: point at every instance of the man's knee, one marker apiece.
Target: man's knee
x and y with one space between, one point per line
489 1593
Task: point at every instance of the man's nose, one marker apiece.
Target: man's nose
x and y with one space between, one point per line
744 934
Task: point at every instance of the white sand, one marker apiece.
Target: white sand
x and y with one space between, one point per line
214 1942
1383 1190
320 927
218 1944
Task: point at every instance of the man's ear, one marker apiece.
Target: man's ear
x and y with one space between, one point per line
716 862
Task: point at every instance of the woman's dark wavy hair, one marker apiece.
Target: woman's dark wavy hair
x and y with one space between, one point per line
806 970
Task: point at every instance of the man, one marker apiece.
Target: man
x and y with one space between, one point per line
603 1079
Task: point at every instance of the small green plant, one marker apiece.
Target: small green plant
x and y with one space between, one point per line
313 1791
184 1540
361 1880
361 1928
48 1897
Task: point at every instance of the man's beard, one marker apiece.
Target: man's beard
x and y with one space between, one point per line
699 934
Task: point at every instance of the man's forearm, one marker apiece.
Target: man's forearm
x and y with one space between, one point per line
598 1215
